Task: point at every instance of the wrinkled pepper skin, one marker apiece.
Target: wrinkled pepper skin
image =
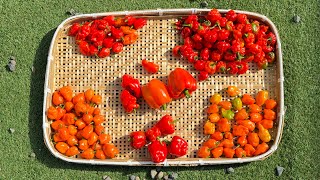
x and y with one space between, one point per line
158 151
129 102
156 94
181 83
132 85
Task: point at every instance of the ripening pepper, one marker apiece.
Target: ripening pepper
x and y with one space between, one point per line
155 94
132 85
263 134
181 83
129 102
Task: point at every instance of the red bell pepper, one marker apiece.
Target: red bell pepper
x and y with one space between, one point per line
155 94
166 125
132 85
138 139
181 83
128 101
153 133
158 151
178 146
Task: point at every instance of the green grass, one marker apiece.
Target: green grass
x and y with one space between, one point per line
26 31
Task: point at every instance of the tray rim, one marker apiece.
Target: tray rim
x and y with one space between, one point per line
167 162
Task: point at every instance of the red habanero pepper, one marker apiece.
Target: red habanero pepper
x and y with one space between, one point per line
166 125
232 68
203 75
132 85
139 23
153 133
74 29
150 67
181 83
129 102
221 66
138 139
210 67
178 146
155 93
158 151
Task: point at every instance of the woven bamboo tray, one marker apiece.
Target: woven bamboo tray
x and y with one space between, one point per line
66 66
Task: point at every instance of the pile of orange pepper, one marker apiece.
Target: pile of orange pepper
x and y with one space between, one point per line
240 127
77 125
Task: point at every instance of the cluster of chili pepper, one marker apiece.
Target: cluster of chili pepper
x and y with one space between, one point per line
130 93
158 148
77 125
238 128
224 43
101 37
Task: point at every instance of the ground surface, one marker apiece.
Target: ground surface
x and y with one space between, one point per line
26 31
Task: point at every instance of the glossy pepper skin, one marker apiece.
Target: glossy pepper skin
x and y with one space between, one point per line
128 101
132 85
181 83
155 94
153 133
178 146
138 139
166 125
158 151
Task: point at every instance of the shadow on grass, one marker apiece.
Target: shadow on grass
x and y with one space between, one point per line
36 133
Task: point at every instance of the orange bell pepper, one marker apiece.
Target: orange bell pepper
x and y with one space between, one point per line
155 94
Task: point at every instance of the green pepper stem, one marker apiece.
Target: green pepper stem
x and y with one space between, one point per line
164 107
186 93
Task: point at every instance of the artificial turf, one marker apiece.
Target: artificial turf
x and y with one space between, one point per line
26 29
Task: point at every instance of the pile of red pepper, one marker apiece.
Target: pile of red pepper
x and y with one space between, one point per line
158 148
100 37
224 43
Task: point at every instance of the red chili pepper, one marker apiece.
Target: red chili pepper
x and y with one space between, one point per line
249 38
211 36
116 33
222 46
228 56
96 35
221 67
108 42
236 46
181 83
242 18
117 47
231 15
139 23
132 85
210 67
199 65
222 22
186 32
93 50
84 48
74 29
103 25
178 146
197 38
272 39
176 51
158 151
84 31
204 54
223 34
262 64
213 16
232 68
129 20
104 52
202 30
242 67
138 139
203 75
166 125
129 102
110 20
153 133
155 94
191 18
150 67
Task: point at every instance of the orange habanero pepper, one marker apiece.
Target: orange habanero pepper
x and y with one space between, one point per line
155 94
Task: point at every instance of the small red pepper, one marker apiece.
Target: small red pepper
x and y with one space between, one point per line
178 146
155 93
158 151
74 29
166 125
153 133
181 83
150 67
132 85
128 101
203 75
210 67
139 23
138 139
